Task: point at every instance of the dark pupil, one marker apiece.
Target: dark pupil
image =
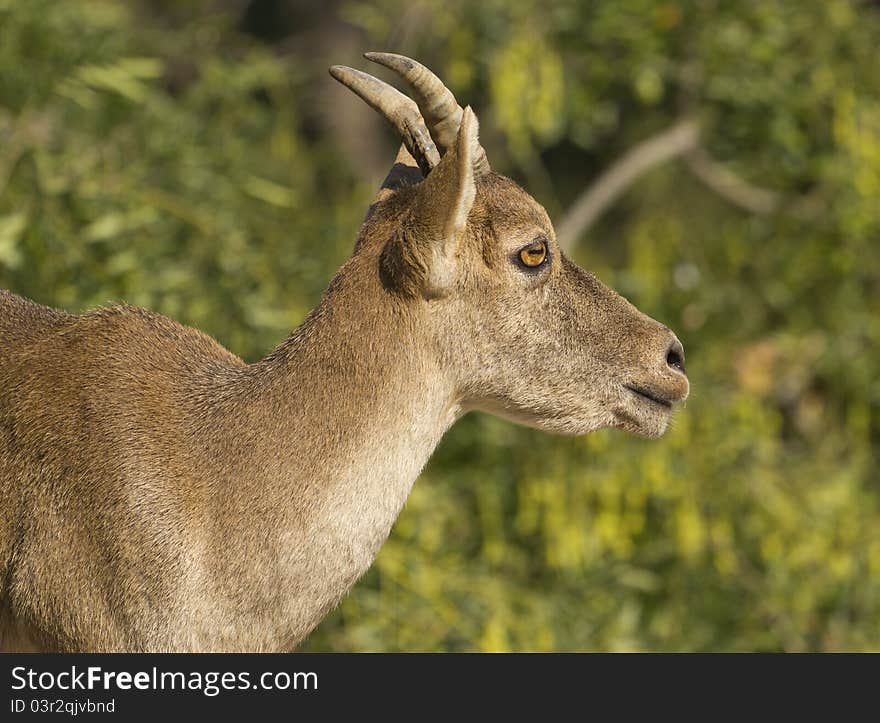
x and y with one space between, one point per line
535 253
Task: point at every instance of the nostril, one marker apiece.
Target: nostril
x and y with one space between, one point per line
675 356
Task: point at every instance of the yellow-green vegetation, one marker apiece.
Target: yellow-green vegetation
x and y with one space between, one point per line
179 156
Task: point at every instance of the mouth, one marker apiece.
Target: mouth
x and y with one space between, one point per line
650 396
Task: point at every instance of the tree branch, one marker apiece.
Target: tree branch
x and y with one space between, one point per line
741 193
594 200
729 186
683 138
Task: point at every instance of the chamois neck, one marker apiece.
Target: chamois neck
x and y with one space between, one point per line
346 412
361 359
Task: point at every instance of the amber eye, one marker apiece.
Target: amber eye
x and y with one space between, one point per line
534 254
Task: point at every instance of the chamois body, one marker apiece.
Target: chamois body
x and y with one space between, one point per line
220 506
234 502
157 493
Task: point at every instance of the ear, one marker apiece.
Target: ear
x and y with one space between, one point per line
424 253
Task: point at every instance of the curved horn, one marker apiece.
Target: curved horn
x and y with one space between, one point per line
399 110
437 104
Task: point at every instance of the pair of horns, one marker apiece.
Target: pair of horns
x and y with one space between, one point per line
427 125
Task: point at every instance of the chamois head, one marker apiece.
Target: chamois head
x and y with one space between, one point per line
525 333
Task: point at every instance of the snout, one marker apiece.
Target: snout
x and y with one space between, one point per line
662 380
675 355
672 382
674 371
654 386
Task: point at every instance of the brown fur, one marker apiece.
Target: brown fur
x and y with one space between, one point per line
157 493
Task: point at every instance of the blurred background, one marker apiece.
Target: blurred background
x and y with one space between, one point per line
717 163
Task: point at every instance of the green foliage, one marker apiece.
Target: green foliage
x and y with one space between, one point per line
195 201
177 165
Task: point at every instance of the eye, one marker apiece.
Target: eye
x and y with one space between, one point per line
533 255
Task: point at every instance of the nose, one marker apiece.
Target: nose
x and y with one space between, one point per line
675 356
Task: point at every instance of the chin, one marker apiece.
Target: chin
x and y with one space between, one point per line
642 415
651 428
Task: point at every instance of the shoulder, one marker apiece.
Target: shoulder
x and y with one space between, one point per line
122 326
24 322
